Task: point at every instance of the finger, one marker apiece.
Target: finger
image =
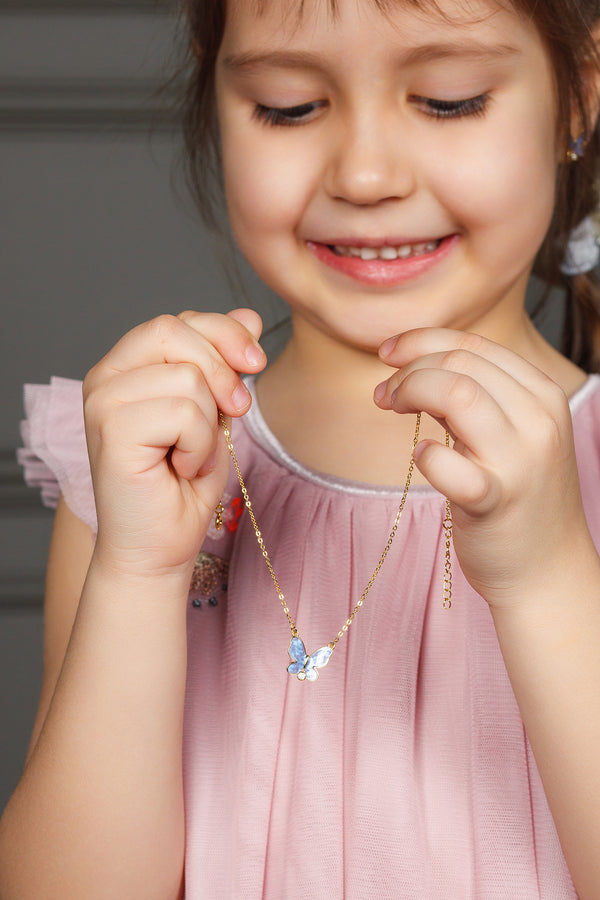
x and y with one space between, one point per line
461 405
249 318
234 335
169 339
167 381
142 434
509 393
160 380
403 349
458 478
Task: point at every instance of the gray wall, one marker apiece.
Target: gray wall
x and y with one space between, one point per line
93 239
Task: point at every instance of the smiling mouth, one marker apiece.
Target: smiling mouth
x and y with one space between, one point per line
384 265
404 251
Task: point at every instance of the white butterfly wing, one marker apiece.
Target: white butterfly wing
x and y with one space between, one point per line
317 660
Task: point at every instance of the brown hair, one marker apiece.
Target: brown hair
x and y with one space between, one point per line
566 27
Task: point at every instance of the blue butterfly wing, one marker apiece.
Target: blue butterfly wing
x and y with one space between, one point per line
297 652
317 660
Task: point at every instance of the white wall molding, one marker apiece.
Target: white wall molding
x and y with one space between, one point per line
15 495
23 522
95 106
77 65
92 241
21 591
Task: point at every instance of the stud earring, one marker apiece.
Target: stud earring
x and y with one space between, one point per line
576 147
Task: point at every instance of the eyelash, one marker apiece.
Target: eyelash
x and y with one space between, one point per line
291 116
287 116
455 109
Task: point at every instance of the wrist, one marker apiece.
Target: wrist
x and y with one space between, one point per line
138 573
531 575
558 594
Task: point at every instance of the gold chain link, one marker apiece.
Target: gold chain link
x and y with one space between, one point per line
259 537
447 525
386 549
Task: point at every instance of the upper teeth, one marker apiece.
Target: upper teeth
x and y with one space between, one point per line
402 252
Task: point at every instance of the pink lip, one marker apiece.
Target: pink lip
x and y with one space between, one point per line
382 272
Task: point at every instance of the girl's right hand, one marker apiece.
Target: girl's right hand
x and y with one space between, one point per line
159 460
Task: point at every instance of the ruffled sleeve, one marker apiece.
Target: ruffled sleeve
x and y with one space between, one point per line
54 455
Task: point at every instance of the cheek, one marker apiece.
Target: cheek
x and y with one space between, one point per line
265 191
502 190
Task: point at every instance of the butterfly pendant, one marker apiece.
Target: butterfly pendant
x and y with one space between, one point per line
305 666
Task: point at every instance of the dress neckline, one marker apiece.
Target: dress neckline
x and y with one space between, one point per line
260 432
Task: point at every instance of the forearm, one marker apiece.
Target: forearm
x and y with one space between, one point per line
99 810
551 647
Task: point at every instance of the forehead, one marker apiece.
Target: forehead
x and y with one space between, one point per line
264 26
289 17
362 37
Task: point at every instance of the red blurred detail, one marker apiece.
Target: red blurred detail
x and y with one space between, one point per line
233 514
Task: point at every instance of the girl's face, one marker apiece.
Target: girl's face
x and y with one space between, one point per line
385 171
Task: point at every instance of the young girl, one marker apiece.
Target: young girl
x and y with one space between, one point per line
392 171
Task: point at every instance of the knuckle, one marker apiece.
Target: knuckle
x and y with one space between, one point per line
472 343
558 401
214 369
188 413
100 417
92 399
195 318
548 432
457 360
409 382
96 377
164 327
463 392
191 378
181 406
479 494
187 315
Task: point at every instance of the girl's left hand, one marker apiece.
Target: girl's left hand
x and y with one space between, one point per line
511 475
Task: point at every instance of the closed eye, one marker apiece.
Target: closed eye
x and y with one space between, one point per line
452 109
286 115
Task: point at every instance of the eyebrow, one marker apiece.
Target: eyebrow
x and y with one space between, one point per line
248 63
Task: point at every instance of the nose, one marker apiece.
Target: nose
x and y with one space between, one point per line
370 162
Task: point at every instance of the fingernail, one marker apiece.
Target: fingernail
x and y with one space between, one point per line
240 397
388 346
379 392
254 355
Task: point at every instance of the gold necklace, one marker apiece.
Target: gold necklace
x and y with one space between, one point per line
303 665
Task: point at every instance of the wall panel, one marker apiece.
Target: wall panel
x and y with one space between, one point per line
96 235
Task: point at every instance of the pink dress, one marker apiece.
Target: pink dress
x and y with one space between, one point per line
404 770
